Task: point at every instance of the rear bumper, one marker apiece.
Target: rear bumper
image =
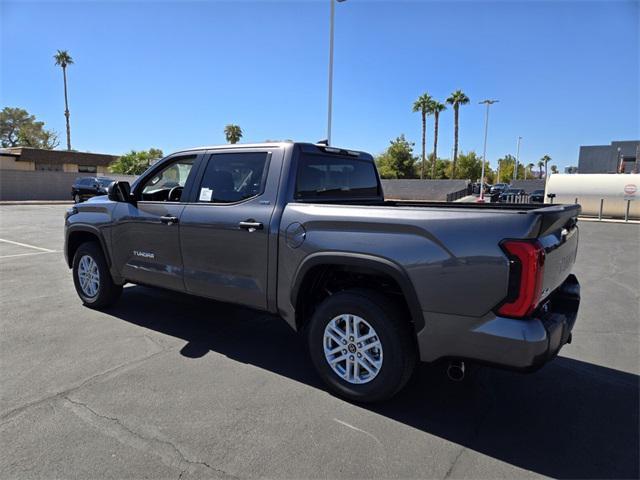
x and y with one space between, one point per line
520 344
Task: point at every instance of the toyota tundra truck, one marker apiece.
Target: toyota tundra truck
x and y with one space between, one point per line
303 231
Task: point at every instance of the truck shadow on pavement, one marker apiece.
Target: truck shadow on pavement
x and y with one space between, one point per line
571 419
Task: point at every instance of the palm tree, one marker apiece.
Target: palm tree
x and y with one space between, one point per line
233 133
422 105
546 159
540 165
435 108
528 169
456 99
63 59
554 169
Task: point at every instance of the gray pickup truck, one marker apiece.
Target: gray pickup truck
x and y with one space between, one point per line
303 231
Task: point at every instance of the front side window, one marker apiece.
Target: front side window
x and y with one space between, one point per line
324 176
233 177
167 184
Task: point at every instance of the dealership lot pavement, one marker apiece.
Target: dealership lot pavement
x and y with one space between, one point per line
169 386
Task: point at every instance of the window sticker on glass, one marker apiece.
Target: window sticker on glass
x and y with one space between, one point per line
205 194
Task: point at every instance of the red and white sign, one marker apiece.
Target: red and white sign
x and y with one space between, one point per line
630 191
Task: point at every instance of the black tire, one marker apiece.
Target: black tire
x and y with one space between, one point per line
393 331
107 292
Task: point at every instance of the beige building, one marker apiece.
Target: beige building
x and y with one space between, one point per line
36 159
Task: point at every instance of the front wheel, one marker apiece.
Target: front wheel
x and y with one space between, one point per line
92 278
360 344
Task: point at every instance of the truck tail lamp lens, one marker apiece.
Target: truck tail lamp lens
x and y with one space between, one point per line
526 271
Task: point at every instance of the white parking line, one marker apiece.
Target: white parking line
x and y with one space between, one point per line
27 254
47 250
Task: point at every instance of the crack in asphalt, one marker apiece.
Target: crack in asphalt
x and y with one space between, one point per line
168 452
8 415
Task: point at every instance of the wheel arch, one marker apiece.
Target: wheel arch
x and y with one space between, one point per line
79 234
318 263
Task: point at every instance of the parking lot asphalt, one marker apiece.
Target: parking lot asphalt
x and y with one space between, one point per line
164 385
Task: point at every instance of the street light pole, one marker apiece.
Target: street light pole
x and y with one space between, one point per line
488 103
515 170
330 106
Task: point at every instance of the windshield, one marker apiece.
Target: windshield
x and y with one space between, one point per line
105 182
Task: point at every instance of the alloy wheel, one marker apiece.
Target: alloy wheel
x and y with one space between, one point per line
352 348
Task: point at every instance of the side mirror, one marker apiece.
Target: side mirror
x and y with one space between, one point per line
119 192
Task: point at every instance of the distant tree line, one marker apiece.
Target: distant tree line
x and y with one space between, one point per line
398 160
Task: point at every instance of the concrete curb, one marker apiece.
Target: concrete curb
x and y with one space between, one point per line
36 202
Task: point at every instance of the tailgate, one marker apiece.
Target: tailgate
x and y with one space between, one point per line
559 236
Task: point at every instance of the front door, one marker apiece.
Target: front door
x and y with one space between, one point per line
225 231
146 235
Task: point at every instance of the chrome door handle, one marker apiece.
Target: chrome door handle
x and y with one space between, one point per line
251 225
169 219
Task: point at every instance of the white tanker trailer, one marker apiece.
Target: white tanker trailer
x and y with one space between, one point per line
614 193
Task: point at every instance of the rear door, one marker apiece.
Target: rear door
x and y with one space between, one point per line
225 230
146 235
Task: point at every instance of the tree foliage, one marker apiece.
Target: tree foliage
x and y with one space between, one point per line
398 160
442 167
506 165
456 99
545 160
63 58
469 166
233 133
135 162
20 129
423 105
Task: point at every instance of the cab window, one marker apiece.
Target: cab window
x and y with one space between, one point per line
167 184
233 177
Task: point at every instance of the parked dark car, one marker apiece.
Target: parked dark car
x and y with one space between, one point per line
496 190
510 195
537 196
304 232
475 187
86 187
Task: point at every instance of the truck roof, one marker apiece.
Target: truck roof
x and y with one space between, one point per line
238 146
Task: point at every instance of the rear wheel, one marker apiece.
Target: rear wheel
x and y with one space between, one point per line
76 198
92 278
361 345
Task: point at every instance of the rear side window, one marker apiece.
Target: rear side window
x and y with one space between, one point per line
233 177
330 176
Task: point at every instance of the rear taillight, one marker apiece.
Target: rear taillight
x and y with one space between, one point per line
526 260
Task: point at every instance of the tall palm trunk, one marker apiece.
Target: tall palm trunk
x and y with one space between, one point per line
436 115
456 107
66 108
424 141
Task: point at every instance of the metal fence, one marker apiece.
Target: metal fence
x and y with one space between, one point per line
453 196
522 198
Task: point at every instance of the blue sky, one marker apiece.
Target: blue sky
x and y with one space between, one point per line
171 74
